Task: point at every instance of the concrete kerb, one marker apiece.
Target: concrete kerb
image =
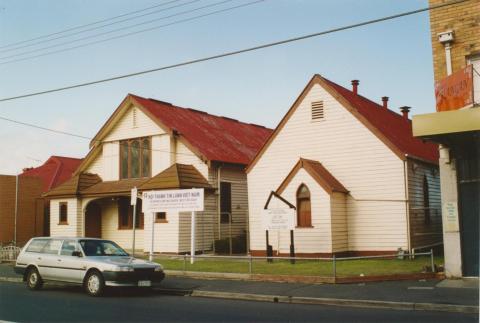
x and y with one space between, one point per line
300 279
409 306
11 280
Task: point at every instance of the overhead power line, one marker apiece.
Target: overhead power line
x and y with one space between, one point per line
31 125
250 49
87 25
94 28
120 29
134 32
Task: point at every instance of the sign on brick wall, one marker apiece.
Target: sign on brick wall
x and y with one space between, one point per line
455 91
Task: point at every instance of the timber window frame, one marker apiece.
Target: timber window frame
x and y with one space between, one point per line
63 213
225 202
135 158
304 207
426 201
161 217
125 214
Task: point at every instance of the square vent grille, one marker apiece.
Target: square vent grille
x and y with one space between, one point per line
317 110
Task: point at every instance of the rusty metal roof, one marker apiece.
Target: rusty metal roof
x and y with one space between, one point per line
216 138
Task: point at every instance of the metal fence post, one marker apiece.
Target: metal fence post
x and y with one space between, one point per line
250 264
184 262
334 267
432 263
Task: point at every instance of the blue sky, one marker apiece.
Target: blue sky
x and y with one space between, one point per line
392 58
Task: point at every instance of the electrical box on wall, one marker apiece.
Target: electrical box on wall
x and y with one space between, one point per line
446 36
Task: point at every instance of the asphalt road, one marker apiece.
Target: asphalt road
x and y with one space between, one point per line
54 303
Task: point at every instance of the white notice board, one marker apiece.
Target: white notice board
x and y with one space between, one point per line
173 200
278 219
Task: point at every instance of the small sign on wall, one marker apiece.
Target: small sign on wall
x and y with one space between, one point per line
278 219
450 216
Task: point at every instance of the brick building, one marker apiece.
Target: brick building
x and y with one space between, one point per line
32 211
455 37
29 209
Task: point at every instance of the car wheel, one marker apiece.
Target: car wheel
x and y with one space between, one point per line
94 283
34 281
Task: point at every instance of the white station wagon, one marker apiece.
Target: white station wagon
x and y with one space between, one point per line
93 263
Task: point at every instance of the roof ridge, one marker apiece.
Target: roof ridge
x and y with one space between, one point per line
201 112
66 157
57 172
367 99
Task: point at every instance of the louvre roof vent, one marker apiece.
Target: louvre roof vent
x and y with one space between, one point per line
134 118
317 110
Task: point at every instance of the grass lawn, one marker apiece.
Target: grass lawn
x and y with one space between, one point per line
324 268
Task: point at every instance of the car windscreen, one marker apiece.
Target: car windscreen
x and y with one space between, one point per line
101 248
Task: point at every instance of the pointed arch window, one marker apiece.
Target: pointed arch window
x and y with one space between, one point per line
304 209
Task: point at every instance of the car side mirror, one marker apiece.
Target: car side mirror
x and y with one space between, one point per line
76 254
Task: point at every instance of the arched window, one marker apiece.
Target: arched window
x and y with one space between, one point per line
304 213
426 200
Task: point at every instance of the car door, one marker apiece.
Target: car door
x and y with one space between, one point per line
71 267
47 259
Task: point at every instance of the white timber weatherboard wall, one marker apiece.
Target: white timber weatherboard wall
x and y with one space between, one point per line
376 211
318 238
74 218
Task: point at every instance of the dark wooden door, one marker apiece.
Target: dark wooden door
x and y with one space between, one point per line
304 213
93 221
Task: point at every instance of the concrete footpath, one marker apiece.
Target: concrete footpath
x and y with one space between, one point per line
431 295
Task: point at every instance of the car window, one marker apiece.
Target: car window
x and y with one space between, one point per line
52 247
37 245
68 247
101 248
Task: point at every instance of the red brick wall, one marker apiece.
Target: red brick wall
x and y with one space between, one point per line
30 209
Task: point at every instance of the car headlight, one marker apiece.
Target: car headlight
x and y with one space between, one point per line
159 268
123 268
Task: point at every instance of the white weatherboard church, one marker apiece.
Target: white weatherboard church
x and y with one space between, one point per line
360 183
154 145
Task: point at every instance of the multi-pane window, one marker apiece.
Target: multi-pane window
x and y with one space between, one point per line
304 209
63 213
135 157
225 202
125 214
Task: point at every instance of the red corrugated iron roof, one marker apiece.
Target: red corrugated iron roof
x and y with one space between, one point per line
396 128
216 138
55 171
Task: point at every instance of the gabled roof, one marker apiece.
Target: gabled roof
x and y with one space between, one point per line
396 128
111 188
278 196
391 128
318 172
74 186
55 171
212 138
176 176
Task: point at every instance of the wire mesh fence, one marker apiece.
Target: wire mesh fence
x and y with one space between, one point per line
315 266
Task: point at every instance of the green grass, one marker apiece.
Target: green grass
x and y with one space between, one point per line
367 267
